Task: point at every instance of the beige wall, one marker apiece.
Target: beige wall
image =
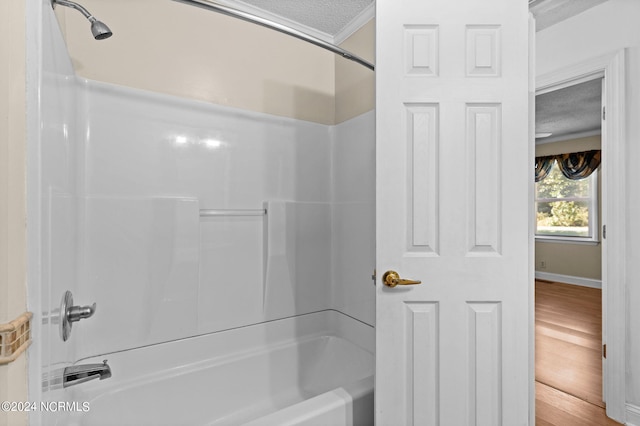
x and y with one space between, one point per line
185 51
12 193
355 84
577 260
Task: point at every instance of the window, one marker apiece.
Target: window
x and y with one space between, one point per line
567 209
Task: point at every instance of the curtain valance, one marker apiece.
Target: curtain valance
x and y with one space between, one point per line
574 166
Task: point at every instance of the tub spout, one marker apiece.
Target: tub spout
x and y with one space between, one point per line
77 374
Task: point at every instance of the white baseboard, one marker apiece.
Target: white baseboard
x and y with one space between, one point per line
633 415
568 279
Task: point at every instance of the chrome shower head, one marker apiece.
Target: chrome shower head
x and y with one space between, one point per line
98 29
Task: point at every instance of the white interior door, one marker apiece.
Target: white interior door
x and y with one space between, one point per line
454 173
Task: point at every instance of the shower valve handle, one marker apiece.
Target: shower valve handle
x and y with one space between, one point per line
69 313
76 313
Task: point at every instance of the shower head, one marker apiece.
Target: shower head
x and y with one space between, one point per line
98 29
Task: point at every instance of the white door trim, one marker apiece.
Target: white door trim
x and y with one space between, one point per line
614 145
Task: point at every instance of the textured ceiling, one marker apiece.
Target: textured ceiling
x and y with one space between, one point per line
327 16
574 109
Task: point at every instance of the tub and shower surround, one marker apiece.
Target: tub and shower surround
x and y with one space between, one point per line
153 165
125 180
200 220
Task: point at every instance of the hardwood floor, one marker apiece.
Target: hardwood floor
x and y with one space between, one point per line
557 408
568 356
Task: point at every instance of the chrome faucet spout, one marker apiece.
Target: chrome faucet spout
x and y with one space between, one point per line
77 374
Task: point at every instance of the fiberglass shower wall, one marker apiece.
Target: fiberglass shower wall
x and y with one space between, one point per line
157 268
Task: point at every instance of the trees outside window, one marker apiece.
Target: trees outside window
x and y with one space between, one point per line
566 209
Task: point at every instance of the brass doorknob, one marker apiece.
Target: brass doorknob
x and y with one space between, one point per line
392 279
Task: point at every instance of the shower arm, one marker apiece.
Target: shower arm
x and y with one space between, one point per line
99 29
216 7
77 7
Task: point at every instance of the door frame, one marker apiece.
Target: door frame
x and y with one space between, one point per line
614 145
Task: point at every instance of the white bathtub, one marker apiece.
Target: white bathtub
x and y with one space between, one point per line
314 369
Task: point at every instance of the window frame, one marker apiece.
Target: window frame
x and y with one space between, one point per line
593 205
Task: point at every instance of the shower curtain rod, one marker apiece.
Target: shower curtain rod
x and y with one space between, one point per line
216 7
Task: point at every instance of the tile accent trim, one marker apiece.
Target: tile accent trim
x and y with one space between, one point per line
15 337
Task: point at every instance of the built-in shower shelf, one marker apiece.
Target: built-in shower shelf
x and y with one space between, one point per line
229 212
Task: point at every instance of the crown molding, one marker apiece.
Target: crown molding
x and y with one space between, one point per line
355 24
569 136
